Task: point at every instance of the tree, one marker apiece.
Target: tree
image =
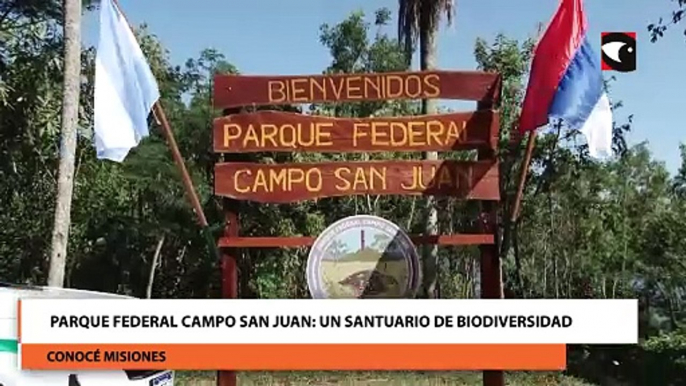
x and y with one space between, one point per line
420 19
680 179
510 59
70 118
657 30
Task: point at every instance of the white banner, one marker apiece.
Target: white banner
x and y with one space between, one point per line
328 321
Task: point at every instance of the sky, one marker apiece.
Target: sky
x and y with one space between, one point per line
270 37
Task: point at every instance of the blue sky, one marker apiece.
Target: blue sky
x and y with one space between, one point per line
281 37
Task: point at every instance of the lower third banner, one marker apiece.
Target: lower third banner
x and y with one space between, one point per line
71 334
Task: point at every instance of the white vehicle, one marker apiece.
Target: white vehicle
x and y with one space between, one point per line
10 375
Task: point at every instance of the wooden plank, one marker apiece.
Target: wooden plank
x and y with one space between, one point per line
229 274
240 90
490 263
283 131
306 241
296 182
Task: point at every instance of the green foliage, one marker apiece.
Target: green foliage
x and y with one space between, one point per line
672 344
416 17
666 358
657 30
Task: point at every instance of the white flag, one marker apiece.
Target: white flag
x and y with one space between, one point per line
125 89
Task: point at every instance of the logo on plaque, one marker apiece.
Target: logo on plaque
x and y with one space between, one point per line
363 257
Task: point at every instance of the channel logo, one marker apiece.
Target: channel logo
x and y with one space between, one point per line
618 51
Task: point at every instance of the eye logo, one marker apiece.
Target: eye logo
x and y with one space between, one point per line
618 51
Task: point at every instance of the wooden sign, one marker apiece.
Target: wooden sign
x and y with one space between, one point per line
238 90
284 183
281 131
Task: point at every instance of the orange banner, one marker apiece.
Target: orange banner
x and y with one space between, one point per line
294 356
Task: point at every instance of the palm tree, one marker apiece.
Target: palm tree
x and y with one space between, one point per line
70 117
419 20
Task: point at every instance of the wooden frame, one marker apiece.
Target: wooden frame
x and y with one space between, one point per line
291 132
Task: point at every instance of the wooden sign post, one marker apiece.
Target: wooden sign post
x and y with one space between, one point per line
290 132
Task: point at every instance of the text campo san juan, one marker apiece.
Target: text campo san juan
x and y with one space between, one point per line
306 321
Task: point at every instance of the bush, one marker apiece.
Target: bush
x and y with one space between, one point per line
665 358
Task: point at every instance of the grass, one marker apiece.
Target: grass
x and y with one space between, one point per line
344 378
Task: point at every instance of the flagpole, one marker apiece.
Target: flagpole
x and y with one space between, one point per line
161 118
526 162
178 159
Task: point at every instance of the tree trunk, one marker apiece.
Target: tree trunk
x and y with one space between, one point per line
70 117
427 55
153 267
519 285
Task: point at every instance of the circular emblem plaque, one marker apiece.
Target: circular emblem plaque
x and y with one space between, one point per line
363 257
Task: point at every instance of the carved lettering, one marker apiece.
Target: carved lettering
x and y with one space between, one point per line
240 90
280 131
293 182
356 87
